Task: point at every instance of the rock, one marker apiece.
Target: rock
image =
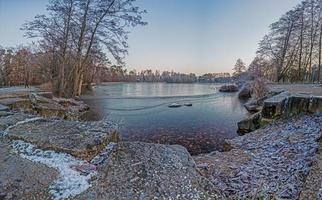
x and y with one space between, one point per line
75 108
57 107
272 162
84 168
23 179
275 91
228 88
51 110
74 175
286 104
37 99
48 95
83 140
316 105
225 164
174 105
19 104
250 124
150 171
12 119
44 104
252 106
5 113
298 103
4 108
246 91
275 106
47 107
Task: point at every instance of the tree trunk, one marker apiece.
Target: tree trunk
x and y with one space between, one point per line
320 52
311 41
76 83
80 85
61 80
61 86
301 48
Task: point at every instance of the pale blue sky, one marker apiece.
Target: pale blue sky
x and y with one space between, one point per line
183 35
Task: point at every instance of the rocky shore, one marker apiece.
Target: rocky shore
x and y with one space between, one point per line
54 157
273 162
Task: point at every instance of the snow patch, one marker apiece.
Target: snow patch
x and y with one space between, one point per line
70 181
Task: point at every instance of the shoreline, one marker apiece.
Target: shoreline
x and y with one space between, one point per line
253 166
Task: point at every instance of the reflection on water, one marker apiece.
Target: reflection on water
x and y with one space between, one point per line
142 110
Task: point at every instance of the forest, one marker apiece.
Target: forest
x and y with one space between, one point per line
80 42
291 51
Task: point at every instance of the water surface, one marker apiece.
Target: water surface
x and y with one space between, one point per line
142 110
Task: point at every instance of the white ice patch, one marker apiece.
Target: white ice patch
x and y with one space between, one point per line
70 182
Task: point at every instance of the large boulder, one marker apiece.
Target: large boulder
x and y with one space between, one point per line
19 104
23 179
80 139
246 91
275 106
8 119
252 106
228 88
4 108
298 103
250 124
47 107
316 105
150 171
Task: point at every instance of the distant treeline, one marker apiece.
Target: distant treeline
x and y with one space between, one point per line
24 64
119 74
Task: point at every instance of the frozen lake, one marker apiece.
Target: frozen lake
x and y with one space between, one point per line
143 113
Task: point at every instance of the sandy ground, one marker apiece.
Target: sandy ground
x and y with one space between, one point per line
314 89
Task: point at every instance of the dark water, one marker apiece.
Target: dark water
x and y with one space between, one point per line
142 110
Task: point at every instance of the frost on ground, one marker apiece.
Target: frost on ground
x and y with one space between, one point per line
279 158
71 181
101 157
5 132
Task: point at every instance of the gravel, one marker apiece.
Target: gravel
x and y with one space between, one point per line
281 156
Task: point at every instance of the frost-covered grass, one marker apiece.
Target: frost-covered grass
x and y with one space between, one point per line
70 181
101 157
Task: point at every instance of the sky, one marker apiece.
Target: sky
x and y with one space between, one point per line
197 36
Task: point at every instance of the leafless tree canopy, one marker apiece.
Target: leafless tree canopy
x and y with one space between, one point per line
291 51
79 34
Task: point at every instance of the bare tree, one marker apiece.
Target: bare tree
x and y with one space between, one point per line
76 30
239 68
293 43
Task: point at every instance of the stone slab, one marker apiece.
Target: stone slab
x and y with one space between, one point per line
80 139
150 171
17 103
10 119
274 106
23 179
